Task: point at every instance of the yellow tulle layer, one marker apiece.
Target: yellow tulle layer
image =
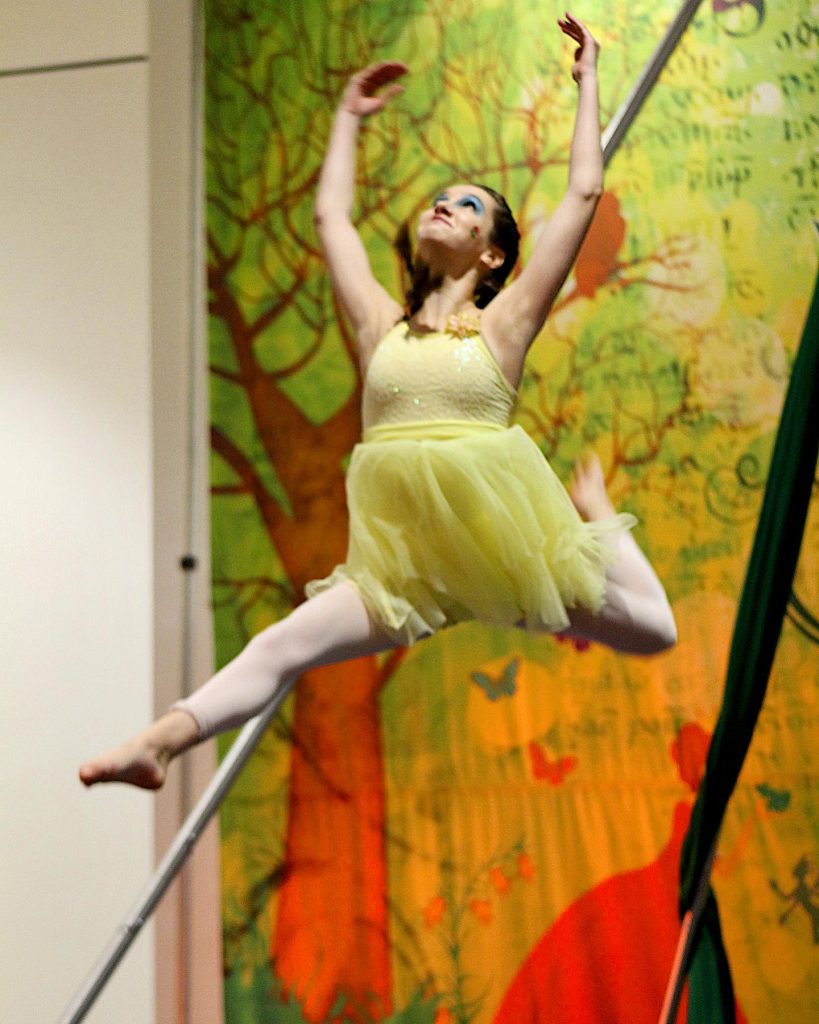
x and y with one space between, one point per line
457 521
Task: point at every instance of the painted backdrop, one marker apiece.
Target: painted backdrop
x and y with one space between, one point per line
487 827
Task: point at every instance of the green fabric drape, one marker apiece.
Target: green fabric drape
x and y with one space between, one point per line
711 991
759 621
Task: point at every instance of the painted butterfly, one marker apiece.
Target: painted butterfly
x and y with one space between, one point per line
553 772
504 686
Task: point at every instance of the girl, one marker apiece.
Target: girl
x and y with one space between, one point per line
454 515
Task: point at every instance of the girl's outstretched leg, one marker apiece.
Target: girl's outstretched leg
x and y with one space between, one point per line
334 626
636 616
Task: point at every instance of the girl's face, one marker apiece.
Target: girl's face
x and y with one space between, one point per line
461 217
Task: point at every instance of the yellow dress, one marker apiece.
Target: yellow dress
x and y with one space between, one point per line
455 515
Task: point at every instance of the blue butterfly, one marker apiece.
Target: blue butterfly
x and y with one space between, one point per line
504 686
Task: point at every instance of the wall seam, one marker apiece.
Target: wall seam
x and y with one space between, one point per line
78 65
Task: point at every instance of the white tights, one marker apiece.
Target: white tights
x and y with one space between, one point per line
333 626
636 618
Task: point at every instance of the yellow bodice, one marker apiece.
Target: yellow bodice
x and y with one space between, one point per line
432 377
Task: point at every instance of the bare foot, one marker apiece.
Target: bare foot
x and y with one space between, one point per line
588 490
143 760
135 762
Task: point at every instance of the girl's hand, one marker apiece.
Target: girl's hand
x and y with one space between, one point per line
360 97
585 56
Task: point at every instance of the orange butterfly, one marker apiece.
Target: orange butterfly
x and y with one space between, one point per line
553 772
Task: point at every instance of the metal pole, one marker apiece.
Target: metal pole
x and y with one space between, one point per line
173 860
685 945
612 137
622 120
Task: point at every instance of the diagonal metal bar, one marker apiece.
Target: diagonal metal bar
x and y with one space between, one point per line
685 946
172 862
616 129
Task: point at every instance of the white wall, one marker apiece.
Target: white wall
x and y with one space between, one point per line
94 386
75 527
42 33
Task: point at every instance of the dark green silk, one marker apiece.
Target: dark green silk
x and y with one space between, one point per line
762 608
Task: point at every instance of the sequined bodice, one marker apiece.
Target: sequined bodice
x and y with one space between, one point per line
442 375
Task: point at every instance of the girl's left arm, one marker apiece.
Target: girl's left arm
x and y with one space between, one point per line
514 318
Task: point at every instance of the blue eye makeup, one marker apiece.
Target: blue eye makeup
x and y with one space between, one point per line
470 201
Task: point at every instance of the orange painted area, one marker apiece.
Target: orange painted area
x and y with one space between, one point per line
331 936
598 255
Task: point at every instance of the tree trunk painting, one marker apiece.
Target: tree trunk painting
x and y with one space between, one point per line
414 825
332 909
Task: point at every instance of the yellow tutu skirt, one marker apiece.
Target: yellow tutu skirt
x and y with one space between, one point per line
459 521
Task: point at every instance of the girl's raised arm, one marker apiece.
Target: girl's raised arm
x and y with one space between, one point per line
514 318
370 309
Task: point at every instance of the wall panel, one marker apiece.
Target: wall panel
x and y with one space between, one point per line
75 528
40 34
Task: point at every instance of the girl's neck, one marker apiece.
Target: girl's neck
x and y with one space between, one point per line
449 299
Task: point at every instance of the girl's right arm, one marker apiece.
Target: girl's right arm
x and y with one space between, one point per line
369 307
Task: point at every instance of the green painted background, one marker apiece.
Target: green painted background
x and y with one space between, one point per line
667 352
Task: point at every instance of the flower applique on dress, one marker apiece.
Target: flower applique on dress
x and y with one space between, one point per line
464 324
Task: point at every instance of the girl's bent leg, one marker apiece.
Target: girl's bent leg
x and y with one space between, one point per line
636 616
628 621
334 626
